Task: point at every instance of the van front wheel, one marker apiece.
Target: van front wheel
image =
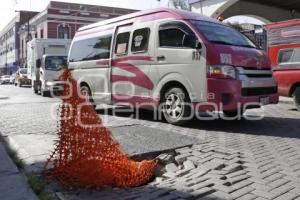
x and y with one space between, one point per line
296 98
176 106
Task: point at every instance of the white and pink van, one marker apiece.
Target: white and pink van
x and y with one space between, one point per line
180 60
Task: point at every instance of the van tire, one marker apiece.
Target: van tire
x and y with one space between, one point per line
296 97
86 91
174 99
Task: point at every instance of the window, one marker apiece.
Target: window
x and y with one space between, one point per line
176 34
55 63
140 40
122 43
285 56
42 33
91 49
63 32
221 34
289 56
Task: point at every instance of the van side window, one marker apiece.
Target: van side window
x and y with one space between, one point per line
122 44
285 56
140 40
91 49
177 35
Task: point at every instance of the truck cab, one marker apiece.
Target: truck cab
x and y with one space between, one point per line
284 52
45 61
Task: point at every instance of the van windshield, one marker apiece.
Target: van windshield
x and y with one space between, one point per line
221 34
55 63
23 71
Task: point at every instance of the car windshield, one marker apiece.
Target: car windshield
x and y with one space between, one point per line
23 71
55 63
6 76
221 34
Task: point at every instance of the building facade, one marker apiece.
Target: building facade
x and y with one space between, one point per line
62 20
9 42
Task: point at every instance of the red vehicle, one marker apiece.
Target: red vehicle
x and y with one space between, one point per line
284 52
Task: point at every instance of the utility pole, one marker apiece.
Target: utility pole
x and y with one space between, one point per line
27 38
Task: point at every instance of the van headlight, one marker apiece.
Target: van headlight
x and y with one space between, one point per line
49 83
221 71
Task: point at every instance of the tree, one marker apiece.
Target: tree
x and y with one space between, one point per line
179 4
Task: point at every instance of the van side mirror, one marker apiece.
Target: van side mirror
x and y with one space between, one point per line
198 45
38 63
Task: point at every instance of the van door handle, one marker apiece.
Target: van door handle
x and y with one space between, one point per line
161 58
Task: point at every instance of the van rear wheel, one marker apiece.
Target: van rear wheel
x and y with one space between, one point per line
176 106
296 97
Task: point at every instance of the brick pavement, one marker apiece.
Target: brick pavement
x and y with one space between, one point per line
230 160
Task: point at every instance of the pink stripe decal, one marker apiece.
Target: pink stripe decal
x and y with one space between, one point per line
140 78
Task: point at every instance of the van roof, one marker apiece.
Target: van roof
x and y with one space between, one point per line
178 14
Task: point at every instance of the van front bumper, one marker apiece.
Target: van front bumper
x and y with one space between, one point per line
55 86
231 95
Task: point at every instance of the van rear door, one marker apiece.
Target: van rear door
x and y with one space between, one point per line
131 64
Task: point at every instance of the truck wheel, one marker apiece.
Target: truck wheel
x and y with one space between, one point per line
85 90
45 93
296 97
176 106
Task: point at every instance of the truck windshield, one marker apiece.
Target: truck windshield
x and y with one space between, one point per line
221 34
55 63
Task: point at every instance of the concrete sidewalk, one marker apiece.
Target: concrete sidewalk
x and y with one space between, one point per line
13 184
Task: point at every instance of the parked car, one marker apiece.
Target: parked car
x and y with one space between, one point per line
5 79
22 78
177 61
12 78
284 52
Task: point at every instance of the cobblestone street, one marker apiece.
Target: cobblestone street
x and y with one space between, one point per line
203 160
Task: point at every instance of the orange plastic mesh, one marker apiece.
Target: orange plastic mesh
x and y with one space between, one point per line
88 156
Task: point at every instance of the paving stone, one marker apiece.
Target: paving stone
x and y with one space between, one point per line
274 177
171 167
287 196
263 194
262 187
237 179
233 168
202 192
188 164
165 158
242 184
278 183
281 190
241 192
181 158
224 188
219 195
247 197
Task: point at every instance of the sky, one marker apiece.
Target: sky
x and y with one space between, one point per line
7 9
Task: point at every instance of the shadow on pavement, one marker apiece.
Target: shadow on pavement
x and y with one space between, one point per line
268 126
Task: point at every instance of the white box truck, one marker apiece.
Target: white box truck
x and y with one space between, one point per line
46 58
